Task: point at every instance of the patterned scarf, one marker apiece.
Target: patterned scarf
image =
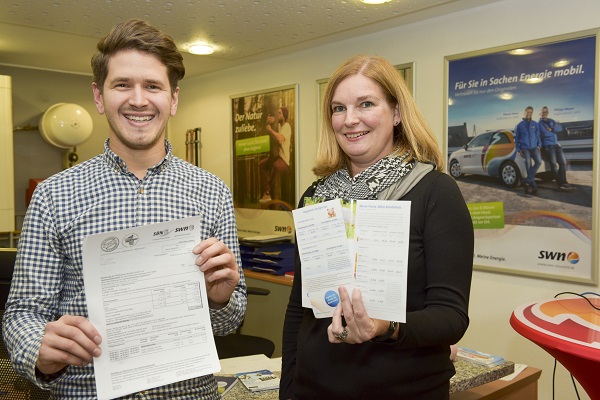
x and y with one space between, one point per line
366 184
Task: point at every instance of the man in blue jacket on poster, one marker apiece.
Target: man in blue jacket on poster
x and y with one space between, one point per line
552 149
527 144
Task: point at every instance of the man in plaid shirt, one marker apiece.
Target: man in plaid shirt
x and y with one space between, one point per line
135 181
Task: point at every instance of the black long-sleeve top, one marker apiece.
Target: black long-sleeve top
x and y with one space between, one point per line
417 365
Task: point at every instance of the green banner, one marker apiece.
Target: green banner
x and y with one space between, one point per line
487 215
255 145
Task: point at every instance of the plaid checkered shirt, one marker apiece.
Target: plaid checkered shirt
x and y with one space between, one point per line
97 196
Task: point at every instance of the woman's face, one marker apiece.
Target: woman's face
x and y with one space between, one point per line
363 121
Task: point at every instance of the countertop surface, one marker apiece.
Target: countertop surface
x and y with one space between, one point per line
467 375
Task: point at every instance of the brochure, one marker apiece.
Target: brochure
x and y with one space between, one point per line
478 357
225 383
258 381
354 243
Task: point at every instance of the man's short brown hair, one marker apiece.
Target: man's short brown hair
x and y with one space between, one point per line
136 34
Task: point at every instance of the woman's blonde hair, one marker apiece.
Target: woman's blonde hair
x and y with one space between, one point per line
412 133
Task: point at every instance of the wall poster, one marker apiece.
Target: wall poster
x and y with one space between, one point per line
545 227
264 128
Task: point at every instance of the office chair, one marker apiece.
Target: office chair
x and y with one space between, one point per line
12 386
238 345
7 264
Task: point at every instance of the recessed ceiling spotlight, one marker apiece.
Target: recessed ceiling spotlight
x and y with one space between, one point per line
561 63
520 52
375 1
201 49
534 80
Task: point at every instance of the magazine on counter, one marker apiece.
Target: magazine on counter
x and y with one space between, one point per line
478 357
225 383
257 381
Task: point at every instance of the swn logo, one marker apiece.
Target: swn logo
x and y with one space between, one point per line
571 257
164 232
286 229
184 228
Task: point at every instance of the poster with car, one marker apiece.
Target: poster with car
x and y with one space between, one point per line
264 132
544 224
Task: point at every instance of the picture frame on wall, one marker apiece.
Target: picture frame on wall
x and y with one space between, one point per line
546 227
321 84
264 131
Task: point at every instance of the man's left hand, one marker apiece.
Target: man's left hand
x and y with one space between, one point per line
220 270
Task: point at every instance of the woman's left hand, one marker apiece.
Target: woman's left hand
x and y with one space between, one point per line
360 328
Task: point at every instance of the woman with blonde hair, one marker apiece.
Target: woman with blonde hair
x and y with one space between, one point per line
375 145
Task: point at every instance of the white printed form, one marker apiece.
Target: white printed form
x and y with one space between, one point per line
147 298
382 236
325 253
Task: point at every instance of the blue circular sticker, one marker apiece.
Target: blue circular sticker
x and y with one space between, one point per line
332 298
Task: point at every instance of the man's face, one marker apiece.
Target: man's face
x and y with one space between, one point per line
280 116
136 99
528 114
544 113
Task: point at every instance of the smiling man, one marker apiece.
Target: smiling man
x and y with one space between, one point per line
135 181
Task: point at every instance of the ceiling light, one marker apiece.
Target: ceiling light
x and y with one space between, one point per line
520 52
201 49
533 80
561 63
375 1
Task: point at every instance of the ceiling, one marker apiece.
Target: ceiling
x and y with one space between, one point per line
61 35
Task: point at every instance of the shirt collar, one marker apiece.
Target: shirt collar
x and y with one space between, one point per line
119 165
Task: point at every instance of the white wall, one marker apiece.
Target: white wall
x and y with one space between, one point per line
205 102
7 203
34 91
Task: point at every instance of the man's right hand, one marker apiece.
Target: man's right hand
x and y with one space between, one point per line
71 340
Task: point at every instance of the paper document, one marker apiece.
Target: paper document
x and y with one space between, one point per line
382 236
147 298
325 253
354 243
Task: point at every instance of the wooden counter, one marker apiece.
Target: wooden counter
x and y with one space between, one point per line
469 374
522 387
471 381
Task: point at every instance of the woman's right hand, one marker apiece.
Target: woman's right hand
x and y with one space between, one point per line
361 328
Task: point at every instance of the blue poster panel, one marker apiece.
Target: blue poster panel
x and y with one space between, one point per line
521 146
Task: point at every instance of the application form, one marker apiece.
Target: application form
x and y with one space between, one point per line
147 298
